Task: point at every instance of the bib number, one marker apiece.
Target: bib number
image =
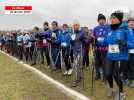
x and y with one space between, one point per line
113 49
100 39
73 36
131 51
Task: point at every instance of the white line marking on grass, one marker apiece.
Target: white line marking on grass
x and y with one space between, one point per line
68 91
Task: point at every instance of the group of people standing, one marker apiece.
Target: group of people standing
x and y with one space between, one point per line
112 45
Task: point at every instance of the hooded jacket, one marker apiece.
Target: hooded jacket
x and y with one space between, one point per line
81 39
124 34
66 38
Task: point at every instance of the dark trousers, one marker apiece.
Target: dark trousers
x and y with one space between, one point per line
100 57
124 69
67 58
72 56
40 54
27 53
85 58
20 52
112 70
46 51
33 54
131 67
56 57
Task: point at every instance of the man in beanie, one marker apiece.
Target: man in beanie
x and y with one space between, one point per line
131 55
46 34
79 41
55 40
118 41
100 33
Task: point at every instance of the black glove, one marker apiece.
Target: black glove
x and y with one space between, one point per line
72 42
119 43
95 41
124 43
80 39
49 40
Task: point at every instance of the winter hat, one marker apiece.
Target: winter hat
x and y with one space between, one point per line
101 16
118 14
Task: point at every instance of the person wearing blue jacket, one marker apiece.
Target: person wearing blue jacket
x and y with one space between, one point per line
78 41
100 48
2 41
34 50
20 45
66 48
26 45
130 71
118 41
55 40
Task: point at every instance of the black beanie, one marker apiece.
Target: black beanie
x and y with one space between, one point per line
118 14
101 16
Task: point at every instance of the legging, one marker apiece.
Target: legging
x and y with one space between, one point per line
113 72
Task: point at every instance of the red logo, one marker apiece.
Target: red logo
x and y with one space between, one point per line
18 7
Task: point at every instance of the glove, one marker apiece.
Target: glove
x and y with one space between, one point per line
72 42
95 41
124 43
119 43
80 39
49 40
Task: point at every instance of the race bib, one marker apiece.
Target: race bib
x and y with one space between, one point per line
100 39
73 36
53 35
44 41
113 49
131 51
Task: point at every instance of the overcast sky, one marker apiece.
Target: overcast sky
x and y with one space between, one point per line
64 11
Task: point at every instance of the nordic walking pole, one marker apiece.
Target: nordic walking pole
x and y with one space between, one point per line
119 70
50 55
93 68
119 78
92 74
61 57
82 69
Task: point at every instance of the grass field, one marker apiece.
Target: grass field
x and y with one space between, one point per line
100 89
17 83
37 89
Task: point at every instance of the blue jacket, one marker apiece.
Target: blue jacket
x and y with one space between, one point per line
66 38
77 45
2 40
131 39
57 39
122 33
19 38
46 34
100 32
